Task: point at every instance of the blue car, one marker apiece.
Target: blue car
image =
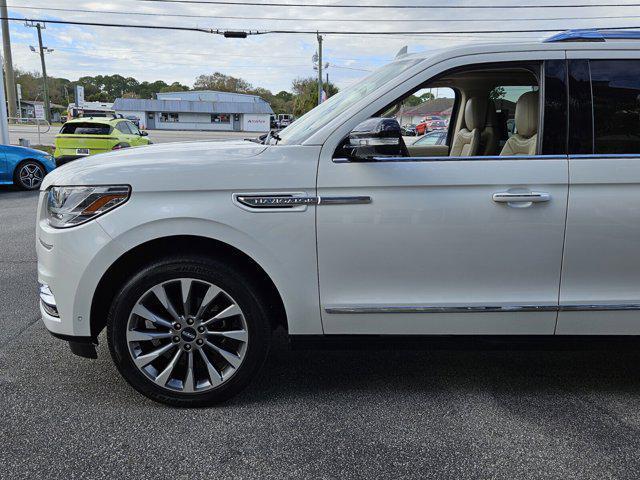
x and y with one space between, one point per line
24 167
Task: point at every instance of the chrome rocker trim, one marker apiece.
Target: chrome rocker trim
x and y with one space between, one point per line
372 309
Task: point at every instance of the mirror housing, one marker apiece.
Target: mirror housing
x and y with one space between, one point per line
143 133
376 137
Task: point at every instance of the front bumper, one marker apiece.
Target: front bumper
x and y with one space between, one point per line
71 262
81 346
61 160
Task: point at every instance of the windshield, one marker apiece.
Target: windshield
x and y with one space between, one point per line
315 119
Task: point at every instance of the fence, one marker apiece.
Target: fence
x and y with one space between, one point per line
34 125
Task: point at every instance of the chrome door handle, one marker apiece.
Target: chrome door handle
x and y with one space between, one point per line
526 197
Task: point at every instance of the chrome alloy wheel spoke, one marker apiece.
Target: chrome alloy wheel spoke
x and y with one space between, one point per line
234 360
147 358
187 335
230 311
240 335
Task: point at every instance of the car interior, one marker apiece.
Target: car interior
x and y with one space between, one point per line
496 113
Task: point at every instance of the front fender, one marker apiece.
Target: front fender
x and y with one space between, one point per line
283 244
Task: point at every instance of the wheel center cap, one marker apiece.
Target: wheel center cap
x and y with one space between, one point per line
189 334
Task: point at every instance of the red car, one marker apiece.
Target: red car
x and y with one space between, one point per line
432 122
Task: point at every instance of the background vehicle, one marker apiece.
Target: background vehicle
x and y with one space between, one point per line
88 136
436 137
409 130
90 110
429 123
135 120
284 120
430 142
24 167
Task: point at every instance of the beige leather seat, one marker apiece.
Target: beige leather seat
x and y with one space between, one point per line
466 142
525 141
489 136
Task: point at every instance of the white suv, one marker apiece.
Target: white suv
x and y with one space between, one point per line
526 221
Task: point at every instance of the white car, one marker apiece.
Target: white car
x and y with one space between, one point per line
191 254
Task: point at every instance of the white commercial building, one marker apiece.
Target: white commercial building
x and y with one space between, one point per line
199 110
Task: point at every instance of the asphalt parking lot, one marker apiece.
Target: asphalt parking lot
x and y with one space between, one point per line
316 414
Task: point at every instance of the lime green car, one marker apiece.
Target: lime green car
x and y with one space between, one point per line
88 136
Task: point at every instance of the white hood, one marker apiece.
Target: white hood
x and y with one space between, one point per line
169 166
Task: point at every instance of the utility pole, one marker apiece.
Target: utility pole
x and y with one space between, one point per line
8 60
41 49
319 68
4 123
47 105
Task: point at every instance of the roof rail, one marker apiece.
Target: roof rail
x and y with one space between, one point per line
593 35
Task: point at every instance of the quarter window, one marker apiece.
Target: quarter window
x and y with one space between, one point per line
616 106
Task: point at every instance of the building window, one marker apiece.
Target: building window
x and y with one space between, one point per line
220 118
168 117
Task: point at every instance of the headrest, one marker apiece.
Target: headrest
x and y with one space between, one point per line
527 114
475 113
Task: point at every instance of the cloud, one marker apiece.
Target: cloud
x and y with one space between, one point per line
270 61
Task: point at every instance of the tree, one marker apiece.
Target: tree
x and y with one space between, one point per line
415 100
305 91
497 93
222 83
174 87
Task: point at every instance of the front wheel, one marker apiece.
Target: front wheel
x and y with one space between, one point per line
188 331
29 175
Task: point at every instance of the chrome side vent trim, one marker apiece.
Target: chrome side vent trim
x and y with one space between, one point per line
292 201
276 201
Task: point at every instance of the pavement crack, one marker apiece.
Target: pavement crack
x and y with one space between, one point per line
7 340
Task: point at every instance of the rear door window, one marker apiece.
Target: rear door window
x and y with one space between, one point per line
85 129
616 106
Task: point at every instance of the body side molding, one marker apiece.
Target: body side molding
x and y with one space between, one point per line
376 309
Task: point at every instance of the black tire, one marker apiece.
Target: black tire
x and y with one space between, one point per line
231 280
23 183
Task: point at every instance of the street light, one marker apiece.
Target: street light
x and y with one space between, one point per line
44 49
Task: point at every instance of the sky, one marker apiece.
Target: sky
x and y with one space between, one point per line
272 61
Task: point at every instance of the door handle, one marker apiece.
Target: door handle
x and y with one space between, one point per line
524 197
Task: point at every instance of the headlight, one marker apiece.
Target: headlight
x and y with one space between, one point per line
70 206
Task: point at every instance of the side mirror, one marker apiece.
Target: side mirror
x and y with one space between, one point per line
376 137
143 133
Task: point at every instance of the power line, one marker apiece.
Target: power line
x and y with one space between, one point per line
197 54
213 67
320 20
429 7
244 33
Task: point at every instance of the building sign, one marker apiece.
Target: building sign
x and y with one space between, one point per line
256 122
39 111
79 94
19 89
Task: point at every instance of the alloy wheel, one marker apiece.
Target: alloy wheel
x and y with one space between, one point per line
31 175
187 335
